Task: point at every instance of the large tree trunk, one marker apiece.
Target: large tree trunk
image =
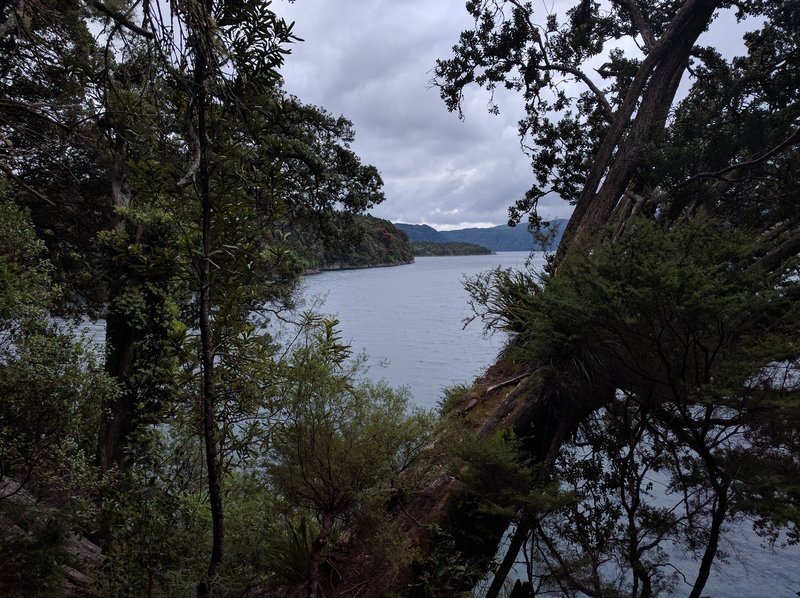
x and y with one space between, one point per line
544 411
117 413
618 157
544 414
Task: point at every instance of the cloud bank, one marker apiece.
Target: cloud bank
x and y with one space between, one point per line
372 61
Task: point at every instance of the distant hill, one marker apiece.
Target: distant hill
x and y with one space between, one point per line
421 233
496 238
430 248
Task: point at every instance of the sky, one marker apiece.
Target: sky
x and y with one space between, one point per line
372 61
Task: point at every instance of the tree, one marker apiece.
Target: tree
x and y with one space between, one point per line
607 148
674 330
623 149
337 447
51 386
203 169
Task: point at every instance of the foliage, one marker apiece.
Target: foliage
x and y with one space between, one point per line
158 524
338 444
451 248
51 387
700 343
715 149
446 571
497 458
671 302
174 186
378 243
26 288
453 399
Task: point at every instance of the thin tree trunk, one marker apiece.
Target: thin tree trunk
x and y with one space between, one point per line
315 559
208 398
517 540
717 519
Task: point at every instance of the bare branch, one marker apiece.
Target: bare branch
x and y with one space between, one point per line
508 382
10 173
581 76
33 109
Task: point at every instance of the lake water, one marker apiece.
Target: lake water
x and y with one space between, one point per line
408 320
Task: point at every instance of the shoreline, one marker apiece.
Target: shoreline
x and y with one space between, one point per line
339 266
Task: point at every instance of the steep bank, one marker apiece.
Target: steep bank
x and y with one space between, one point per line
375 243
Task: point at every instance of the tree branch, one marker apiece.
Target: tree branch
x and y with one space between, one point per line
789 141
195 141
33 110
10 173
120 19
580 75
639 21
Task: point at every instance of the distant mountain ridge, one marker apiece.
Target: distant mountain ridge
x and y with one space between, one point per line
496 238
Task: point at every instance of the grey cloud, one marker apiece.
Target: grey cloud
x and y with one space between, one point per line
372 62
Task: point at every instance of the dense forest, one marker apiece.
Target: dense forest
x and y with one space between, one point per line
374 242
157 177
424 248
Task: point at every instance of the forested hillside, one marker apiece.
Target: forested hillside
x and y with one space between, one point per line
421 248
496 238
372 242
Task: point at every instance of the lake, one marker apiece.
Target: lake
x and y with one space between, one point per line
409 320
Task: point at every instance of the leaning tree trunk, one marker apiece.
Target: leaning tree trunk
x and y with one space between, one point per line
618 156
545 410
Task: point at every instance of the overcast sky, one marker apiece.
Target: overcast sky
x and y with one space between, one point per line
372 61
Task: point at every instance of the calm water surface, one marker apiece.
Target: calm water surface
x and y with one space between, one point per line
409 319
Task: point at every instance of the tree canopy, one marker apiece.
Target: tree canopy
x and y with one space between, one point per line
157 171
157 176
682 202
